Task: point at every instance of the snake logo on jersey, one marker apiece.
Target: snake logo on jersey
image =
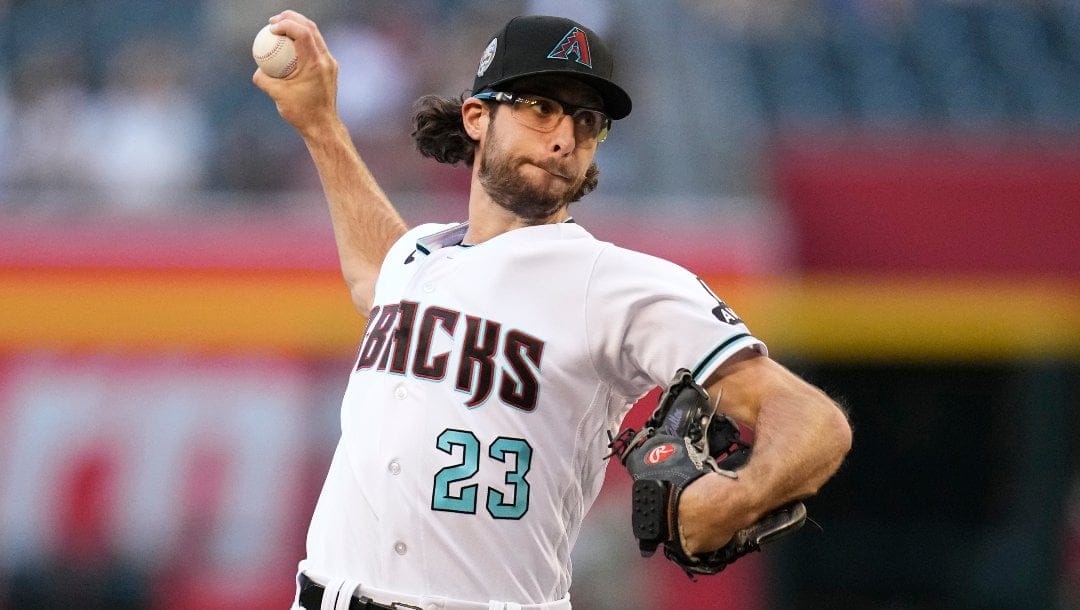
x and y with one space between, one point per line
483 356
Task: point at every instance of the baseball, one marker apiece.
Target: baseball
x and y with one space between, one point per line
275 54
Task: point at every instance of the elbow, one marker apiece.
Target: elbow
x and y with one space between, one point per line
839 430
835 441
361 300
362 292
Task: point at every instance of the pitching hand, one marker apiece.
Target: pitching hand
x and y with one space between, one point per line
307 97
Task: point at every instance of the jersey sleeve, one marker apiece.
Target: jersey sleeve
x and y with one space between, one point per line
647 317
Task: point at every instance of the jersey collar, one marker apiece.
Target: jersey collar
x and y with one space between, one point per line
447 237
451 236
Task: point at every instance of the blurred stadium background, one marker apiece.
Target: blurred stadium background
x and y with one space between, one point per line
888 191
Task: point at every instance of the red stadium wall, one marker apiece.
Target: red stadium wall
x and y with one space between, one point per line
939 204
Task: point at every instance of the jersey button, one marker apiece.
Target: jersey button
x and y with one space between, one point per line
400 548
394 467
401 393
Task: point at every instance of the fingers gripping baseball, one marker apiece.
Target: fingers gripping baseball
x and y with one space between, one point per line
307 97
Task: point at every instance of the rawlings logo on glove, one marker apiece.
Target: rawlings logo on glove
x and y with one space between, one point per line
680 442
659 454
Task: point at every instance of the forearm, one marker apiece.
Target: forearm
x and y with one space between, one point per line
800 439
799 443
365 223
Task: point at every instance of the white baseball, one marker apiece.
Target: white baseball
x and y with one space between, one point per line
275 54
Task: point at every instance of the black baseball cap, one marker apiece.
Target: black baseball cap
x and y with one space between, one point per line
533 45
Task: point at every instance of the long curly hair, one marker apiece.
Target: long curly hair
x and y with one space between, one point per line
440 134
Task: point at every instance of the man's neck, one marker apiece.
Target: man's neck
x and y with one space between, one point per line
488 219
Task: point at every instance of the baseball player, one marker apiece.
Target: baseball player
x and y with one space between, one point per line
501 353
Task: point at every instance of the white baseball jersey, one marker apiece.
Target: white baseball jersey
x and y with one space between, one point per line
476 419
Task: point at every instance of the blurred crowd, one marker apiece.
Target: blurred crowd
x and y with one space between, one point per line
137 107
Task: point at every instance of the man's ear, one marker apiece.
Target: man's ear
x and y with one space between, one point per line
475 116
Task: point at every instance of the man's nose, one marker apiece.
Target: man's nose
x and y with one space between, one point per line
564 136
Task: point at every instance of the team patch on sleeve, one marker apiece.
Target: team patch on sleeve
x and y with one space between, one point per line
722 312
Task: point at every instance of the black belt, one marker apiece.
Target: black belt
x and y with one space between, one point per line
311 595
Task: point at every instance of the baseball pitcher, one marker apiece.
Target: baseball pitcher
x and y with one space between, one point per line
502 352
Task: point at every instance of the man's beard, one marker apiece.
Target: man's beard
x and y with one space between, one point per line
507 187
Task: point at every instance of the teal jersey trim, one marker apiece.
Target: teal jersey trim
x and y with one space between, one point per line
708 360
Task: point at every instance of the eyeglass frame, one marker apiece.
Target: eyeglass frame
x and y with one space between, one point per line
570 110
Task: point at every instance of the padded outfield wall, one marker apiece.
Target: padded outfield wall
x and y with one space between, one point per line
169 391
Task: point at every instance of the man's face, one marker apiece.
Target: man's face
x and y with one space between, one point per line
532 173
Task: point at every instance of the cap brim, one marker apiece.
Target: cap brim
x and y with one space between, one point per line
617 104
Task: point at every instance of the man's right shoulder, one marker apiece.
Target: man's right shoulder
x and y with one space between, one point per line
406 247
428 228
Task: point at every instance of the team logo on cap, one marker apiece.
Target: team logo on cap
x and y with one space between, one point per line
487 57
574 43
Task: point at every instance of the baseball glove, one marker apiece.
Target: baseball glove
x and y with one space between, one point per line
684 439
